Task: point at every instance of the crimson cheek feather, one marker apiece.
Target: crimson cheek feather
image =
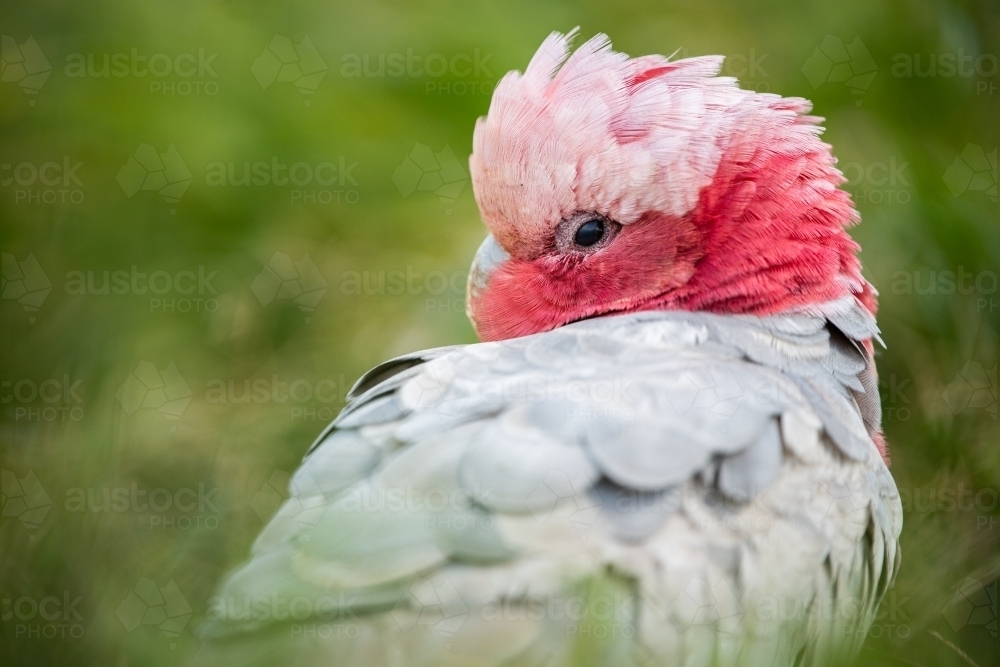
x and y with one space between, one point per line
647 259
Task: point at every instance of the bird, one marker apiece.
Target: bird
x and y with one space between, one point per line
666 448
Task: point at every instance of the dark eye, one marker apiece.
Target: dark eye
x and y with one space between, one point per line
589 233
584 233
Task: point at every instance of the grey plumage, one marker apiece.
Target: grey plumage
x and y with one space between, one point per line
702 468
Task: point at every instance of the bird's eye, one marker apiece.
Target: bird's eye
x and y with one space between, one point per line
585 233
589 233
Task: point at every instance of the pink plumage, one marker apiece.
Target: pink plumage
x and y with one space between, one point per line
728 201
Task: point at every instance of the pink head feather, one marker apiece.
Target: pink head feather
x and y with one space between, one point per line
602 133
728 199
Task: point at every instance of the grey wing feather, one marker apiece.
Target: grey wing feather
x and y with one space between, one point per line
383 379
387 369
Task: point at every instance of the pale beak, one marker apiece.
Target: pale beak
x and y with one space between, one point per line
489 256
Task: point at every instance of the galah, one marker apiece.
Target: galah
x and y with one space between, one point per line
667 449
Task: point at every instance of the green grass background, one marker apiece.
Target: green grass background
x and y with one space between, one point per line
912 225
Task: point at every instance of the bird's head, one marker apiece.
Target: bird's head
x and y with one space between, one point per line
612 184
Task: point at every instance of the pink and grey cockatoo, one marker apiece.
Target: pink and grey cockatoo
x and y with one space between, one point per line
666 451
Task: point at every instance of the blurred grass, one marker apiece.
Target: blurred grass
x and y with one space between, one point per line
99 339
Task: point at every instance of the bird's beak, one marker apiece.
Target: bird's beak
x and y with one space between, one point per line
489 256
